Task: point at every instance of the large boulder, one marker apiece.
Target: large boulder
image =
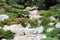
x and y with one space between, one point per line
34 14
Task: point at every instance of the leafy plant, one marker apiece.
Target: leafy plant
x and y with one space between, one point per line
49 38
6 34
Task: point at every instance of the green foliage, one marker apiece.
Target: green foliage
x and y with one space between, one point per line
17 6
56 9
33 23
10 2
11 15
22 21
6 34
49 38
9 34
54 33
13 10
2 23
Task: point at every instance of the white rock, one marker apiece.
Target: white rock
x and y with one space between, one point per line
29 8
39 29
28 31
4 39
28 25
14 28
39 21
51 24
22 38
36 37
50 29
19 33
57 25
52 18
3 17
44 36
34 14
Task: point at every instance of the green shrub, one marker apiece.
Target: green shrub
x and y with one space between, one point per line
17 6
54 33
49 38
6 34
11 15
56 9
2 23
33 23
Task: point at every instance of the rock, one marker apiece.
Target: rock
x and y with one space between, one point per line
20 32
28 25
52 18
39 21
44 36
22 38
36 37
50 29
29 8
14 28
28 31
39 29
30 37
4 39
33 30
3 17
34 14
51 24
57 25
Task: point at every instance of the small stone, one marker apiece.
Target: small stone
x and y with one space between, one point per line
3 17
51 24
50 29
40 29
57 25
52 18
4 39
28 25
44 36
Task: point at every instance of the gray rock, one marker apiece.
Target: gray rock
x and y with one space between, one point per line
57 25
3 17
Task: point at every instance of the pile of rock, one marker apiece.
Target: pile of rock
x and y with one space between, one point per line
25 33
